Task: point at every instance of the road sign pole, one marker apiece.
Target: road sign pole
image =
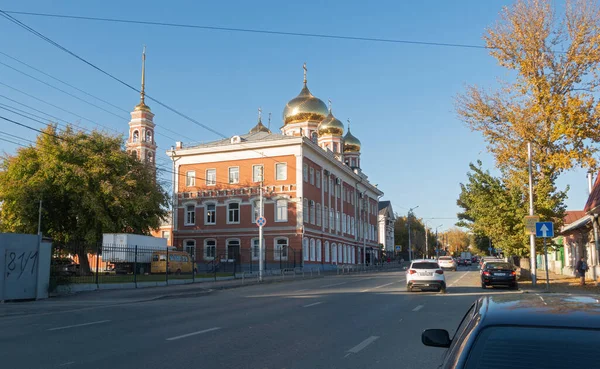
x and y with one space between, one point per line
532 256
546 262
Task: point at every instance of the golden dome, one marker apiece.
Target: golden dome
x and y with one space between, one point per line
331 125
351 143
142 106
304 107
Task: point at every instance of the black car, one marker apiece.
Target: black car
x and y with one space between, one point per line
498 273
552 331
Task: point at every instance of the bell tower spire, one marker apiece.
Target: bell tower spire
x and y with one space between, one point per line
141 142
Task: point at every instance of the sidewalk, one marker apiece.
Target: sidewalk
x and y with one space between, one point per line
559 284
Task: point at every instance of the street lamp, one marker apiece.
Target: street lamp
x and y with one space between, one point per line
437 246
409 240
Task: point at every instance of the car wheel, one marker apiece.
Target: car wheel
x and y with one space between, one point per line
408 289
442 289
515 286
483 286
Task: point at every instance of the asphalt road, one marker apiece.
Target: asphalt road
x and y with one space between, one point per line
357 321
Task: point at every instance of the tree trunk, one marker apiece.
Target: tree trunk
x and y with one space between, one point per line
84 263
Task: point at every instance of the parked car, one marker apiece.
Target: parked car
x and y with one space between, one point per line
523 331
64 266
498 274
425 274
447 262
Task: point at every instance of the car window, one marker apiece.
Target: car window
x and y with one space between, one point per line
426 265
535 347
462 326
498 266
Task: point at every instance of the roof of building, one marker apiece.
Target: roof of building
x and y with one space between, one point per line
248 137
572 216
384 204
550 310
593 200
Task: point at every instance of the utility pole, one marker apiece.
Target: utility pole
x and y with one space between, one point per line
260 231
426 244
409 239
532 258
437 244
40 218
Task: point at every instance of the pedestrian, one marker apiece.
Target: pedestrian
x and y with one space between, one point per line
582 267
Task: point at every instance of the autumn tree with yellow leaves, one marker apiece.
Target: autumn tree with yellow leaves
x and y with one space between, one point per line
549 100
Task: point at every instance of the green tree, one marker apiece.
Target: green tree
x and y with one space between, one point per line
89 185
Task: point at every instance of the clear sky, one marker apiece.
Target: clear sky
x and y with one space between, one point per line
399 97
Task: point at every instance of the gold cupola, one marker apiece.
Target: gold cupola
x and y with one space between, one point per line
351 143
260 127
304 107
331 125
142 105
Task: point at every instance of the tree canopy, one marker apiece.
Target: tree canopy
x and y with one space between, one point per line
88 184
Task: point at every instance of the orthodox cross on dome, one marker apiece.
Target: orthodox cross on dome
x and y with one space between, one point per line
269 126
259 114
142 91
348 124
329 103
305 70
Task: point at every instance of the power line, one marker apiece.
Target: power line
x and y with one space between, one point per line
12 142
17 137
80 90
251 30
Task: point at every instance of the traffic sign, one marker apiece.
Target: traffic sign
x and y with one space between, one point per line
544 229
530 222
398 248
261 221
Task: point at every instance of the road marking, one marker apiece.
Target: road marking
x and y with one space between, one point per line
362 345
335 284
313 304
400 321
461 277
67 363
78 325
193 333
374 288
306 289
419 307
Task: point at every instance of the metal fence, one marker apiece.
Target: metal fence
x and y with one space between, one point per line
100 264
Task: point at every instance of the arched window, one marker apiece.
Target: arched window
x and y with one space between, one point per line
305 252
312 249
210 249
319 251
149 157
327 251
333 253
281 248
314 137
340 254
148 136
136 136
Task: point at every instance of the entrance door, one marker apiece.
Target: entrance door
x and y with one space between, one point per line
233 254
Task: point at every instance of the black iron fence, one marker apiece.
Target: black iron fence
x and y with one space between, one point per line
100 264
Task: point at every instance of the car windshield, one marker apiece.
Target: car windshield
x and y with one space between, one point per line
498 266
534 347
446 258
425 265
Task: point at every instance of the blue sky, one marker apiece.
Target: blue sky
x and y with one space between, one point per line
399 97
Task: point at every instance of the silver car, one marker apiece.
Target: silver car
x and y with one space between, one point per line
448 263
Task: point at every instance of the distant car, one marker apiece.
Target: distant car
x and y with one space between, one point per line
425 274
64 267
523 331
447 262
498 274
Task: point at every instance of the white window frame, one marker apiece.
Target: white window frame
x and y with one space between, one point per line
326 184
256 247
305 211
311 175
187 246
343 223
334 251
206 246
230 240
256 208
318 179
305 251
190 178
319 213
338 221
256 176
319 250
331 220
312 249
239 210
211 182
325 217
281 212
206 212
187 214
353 253
233 180
313 216
277 254
327 258
340 253
284 176
305 172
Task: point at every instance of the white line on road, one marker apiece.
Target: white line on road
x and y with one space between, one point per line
306 289
313 304
335 284
419 307
374 288
363 344
67 363
461 277
78 325
193 333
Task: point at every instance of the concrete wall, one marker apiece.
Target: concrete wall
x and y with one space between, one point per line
24 267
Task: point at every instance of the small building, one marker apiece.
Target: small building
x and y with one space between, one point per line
385 222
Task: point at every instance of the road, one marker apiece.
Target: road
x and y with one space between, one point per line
355 321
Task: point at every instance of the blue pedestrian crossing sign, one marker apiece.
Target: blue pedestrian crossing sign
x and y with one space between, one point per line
544 229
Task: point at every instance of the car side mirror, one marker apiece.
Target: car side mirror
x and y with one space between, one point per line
436 338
